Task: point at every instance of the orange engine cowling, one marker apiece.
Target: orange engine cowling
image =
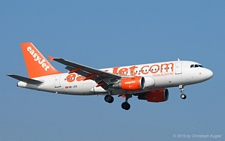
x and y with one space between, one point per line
131 83
157 95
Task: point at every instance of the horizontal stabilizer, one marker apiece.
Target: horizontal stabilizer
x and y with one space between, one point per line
25 79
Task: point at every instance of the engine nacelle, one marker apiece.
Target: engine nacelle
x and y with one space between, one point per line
157 95
149 82
131 83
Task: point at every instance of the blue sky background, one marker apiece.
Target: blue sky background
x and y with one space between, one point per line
104 34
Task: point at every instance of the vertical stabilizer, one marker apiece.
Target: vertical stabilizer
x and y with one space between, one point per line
37 65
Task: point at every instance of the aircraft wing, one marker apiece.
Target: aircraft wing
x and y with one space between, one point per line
88 72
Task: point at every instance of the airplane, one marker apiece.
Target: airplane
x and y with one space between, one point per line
148 82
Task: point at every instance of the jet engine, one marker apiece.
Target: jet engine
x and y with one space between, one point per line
134 83
157 95
130 83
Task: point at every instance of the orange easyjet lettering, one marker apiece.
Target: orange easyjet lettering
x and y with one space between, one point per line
144 69
154 68
166 67
123 71
132 70
80 78
115 70
38 58
70 77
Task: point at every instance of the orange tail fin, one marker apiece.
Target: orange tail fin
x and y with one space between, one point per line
37 65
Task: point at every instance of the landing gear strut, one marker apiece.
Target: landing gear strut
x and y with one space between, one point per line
183 96
109 98
125 105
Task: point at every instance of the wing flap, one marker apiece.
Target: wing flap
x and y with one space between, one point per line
25 79
81 72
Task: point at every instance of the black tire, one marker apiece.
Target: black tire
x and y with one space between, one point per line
109 99
125 105
183 96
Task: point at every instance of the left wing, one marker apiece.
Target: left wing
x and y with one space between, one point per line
99 76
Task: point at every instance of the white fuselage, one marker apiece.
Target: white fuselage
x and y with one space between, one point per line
165 74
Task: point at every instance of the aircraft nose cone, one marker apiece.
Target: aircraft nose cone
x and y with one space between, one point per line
209 74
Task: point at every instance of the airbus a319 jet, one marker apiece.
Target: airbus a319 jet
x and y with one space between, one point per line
145 81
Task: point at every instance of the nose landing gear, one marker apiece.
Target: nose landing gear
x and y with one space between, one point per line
183 96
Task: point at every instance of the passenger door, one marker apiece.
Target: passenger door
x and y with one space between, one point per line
178 68
57 81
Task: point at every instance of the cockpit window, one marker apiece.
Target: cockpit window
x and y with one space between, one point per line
196 66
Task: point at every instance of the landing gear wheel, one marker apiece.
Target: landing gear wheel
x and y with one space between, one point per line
109 98
125 105
183 96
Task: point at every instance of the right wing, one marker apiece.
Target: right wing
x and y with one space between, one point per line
102 78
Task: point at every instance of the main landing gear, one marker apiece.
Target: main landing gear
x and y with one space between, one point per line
125 105
109 98
183 96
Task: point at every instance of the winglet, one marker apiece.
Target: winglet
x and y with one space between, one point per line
51 58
